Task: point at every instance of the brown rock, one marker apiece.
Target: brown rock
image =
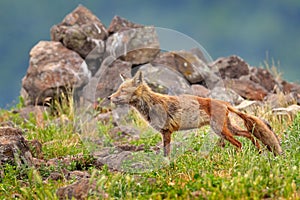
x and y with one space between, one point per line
118 24
264 78
200 90
231 67
247 89
52 69
81 189
290 87
80 31
136 45
14 148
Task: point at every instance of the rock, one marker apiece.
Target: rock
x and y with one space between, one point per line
290 87
232 67
135 45
186 63
119 24
165 80
290 111
201 55
123 131
112 157
226 94
14 149
81 189
104 118
247 89
130 158
249 106
279 100
35 112
106 81
52 69
264 78
200 90
80 31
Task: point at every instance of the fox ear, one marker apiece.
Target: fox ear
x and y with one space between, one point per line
138 78
123 77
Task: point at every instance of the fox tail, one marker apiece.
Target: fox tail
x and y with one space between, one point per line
261 129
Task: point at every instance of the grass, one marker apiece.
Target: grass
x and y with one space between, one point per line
198 168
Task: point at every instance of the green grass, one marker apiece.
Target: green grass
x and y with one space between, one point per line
220 173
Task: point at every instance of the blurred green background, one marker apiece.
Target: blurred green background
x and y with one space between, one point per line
256 30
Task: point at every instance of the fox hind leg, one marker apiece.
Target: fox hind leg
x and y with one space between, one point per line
243 133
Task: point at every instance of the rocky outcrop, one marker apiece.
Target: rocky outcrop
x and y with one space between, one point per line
126 47
52 69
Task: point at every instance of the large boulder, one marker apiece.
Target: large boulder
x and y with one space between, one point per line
80 31
52 69
14 148
135 45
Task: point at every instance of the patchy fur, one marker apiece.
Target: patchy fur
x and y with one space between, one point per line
172 113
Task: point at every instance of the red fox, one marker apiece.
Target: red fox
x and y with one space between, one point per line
167 114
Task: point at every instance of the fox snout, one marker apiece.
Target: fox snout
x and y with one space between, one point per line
116 99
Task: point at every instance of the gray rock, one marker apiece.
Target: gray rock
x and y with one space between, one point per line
249 106
135 45
165 80
186 63
200 90
105 82
226 94
290 111
280 100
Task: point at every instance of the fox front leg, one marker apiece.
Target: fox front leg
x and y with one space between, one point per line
166 137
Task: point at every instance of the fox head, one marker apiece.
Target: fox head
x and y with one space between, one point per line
128 90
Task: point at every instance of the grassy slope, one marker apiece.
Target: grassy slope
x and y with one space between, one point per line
222 173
